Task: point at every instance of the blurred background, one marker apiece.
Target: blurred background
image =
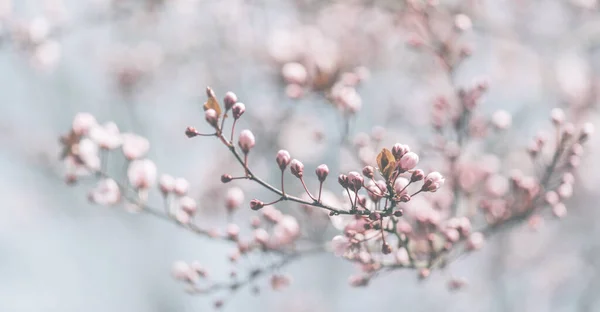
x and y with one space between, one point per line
145 64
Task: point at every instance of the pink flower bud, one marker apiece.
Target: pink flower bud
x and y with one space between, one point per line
191 132
475 241
502 120
386 249
378 133
343 180
369 172
355 181
246 141
559 210
322 172
134 146
297 168
283 159
211 117
188 205
107 192
261 236
558 116
433 182
279 281
565 190
233 230
400 185
398 150
294 73
234 198
142 173
339 245
83 122
226 178
182 216
181 186
230 100
586 131
404 198
256 204
417 175
107 136
551 198
358 281
238 110
408 161
181 270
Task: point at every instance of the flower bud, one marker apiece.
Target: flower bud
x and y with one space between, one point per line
246 141
408 161
343 180
369 172
433 182
188 205
322 172
233 230
475 241
502 120
238 110
558 116
181 186
256 204
212 118
234 198
230 100
386 249
226 178
398 150
398 213
355 181
417 175
166 184
283 159
191 132
586 132
297 168
404 198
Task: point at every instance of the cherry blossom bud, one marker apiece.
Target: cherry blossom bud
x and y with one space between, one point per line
279 281
386 249
234 198
246 141
568 177
261 236
398 150
565 190
343 180
400 185
452 235
256 204
558 116
107 192
475 241
188 205
417 175
233 230
322 172
294 73
191 132
502 120
181 270
255 222
182 216
106 136
134 146
229 100
568 131
408 161
405 198
181 186
142 173
358 281
226 178
586 132
559 210
83 122
424 273
378 133
433 181
297 168
212 117
238 110
355 181
283 159
340 244
369 172
398 213
551 198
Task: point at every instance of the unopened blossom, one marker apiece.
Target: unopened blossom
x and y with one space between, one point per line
497 185
261 236
294 73
322 172
586 131
475 241
358 280
279 281
181 270
452 235
559 210
398 150
551 198
188 205
272 214
565 190
87 151
134 146
355 181
233 230
502 120
229 100
181 186
83 122
182 216
107 192
246 141
378 133
234 198
286 230
558 116
283 159
142 173
402 256
238 110
408 161
256 204
340 244
107 136
297 168
462 22
433 181
212 117
166 183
